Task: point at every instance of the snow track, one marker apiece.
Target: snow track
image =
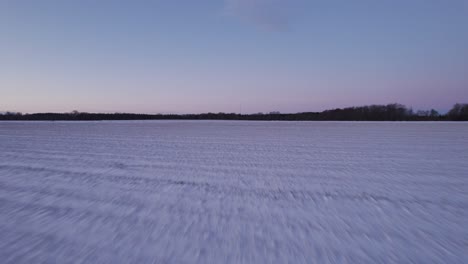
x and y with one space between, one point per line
233 192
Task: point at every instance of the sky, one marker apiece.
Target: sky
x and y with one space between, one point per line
176 56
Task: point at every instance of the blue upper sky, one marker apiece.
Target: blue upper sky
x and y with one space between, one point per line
174 56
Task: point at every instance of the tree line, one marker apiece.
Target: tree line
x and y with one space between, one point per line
390 112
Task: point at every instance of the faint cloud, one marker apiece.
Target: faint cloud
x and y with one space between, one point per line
273 15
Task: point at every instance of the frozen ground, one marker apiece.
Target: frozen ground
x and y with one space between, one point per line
233 192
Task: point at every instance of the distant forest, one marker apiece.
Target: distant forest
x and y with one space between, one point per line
390 112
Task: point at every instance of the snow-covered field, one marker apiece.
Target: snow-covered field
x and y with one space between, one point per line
233 192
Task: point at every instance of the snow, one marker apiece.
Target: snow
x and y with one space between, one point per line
233 192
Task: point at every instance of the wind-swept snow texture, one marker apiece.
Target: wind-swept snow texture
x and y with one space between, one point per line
233 192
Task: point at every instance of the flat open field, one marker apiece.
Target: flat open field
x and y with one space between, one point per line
233 192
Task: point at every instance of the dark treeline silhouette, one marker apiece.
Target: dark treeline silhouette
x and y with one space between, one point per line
390 112
459 112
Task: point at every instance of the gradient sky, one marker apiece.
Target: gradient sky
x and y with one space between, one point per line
176 56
